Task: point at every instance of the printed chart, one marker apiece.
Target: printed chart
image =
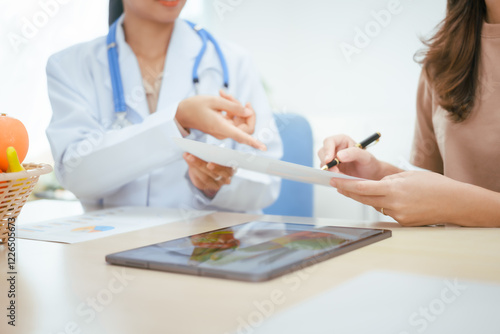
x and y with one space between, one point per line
104 223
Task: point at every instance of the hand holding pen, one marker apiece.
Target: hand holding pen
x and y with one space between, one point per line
355 162
362 145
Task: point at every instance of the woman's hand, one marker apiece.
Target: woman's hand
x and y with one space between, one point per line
354 161
411 198
208 177
219 116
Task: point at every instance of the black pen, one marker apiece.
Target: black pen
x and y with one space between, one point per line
373 138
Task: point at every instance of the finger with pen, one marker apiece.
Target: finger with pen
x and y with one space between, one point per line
363 144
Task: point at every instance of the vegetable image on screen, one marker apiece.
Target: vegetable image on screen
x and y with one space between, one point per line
208 244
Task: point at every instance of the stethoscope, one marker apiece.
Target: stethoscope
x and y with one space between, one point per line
116 78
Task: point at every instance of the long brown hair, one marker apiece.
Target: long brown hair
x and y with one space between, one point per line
452 59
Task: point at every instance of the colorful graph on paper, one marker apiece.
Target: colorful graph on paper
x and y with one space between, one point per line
104 223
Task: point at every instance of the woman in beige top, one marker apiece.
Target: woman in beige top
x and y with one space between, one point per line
457 134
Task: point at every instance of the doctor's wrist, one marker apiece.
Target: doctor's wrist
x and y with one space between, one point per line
184 132
182 116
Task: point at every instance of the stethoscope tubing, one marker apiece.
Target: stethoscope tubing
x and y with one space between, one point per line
114 69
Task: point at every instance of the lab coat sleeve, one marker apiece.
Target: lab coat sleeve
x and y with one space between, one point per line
90 160
250 191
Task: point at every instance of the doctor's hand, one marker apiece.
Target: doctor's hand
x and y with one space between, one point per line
207 176
246 124
205 113
354 161
411 198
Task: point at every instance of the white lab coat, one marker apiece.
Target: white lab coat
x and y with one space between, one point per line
140 165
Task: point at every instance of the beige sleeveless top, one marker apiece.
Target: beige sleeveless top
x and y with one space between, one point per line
468 151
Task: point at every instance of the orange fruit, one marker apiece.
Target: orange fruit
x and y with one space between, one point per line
12 133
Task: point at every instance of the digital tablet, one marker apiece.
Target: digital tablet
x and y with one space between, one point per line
254 251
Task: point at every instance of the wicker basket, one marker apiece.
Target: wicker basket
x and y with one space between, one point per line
15 188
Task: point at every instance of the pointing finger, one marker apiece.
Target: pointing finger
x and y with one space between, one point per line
242 137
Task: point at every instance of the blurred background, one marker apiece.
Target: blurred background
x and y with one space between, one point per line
348 66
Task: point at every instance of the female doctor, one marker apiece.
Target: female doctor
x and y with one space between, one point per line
120 99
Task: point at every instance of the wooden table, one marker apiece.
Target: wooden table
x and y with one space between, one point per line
65 288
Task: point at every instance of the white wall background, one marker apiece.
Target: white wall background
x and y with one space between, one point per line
295 44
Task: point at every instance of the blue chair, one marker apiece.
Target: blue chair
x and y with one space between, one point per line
296 198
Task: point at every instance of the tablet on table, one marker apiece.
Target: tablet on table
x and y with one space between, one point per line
253 251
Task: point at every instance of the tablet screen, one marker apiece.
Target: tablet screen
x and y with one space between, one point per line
251 251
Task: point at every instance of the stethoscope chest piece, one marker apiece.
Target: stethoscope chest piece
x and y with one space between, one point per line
121 121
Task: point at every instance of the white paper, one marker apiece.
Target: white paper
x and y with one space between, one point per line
251 161
103 223
383 302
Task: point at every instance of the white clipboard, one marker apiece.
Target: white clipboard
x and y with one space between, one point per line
251 161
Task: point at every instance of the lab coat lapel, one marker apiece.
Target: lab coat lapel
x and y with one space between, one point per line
177 81
210 72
